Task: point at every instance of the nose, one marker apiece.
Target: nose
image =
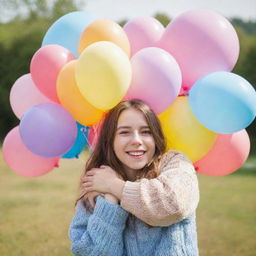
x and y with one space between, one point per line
136 139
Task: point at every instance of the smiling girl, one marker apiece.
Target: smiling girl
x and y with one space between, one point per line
145 198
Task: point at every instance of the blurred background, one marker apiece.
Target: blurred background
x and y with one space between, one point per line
35 213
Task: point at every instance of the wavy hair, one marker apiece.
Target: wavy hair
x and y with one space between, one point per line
103 153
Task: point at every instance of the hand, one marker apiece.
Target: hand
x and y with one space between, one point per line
100 179
91 197
112 199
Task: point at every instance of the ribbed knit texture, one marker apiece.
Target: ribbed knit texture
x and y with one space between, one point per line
167 199
167 202
100 233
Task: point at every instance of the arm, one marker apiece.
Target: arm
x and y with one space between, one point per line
167 199
99 233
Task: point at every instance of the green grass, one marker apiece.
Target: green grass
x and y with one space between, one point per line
35 213
226 214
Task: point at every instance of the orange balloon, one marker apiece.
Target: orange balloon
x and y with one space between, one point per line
72 100
104 30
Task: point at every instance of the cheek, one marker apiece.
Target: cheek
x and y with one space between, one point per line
115 146
120 142
152 147
150 142
119 150
118 146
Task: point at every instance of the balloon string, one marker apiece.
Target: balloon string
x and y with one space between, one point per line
94 129
84 131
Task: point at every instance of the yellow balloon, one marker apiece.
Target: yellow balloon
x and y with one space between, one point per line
104 30
103 74
71 98
183 132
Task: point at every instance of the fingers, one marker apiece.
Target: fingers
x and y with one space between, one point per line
85 197
88 189
90 173
93 171
89 198
87 179
91 201
87 184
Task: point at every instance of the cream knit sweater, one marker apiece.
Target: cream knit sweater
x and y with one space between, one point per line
167 199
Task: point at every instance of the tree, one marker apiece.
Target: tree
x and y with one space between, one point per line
33 9
163 18
248 27
20 39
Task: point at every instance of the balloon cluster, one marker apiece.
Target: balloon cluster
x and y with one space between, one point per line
87 65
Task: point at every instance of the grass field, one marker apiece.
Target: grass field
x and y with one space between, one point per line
35 213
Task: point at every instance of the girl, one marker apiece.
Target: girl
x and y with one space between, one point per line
146 198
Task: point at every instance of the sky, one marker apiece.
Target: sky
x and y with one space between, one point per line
117 10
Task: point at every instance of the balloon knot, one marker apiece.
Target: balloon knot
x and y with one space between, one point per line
196 168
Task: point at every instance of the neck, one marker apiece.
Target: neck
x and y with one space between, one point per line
131 174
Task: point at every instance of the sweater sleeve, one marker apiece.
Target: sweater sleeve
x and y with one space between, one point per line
100 232
167 199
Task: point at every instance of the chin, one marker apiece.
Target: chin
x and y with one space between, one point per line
136 167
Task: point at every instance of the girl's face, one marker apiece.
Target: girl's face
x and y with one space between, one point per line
134 144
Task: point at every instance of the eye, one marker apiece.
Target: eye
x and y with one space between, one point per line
123 132
146 131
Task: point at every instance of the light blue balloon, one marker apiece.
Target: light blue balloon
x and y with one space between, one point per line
223 102
80 142
66 31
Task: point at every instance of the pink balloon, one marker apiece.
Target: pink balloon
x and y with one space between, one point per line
202 42
24 95
227 155
143 32
156 78
21 160
45 67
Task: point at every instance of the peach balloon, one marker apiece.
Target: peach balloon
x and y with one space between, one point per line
228 154
71 98
104 30
21 160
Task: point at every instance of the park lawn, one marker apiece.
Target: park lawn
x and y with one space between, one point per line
35 212
226 215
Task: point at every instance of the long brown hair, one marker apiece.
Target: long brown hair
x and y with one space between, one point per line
103 153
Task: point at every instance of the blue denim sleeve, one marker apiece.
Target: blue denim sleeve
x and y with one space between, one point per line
99 232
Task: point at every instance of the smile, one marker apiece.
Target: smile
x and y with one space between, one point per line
136 153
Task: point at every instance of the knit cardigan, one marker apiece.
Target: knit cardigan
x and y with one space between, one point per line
167 202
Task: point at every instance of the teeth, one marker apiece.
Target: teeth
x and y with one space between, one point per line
136 153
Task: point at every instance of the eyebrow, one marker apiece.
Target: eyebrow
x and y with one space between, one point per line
128 127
